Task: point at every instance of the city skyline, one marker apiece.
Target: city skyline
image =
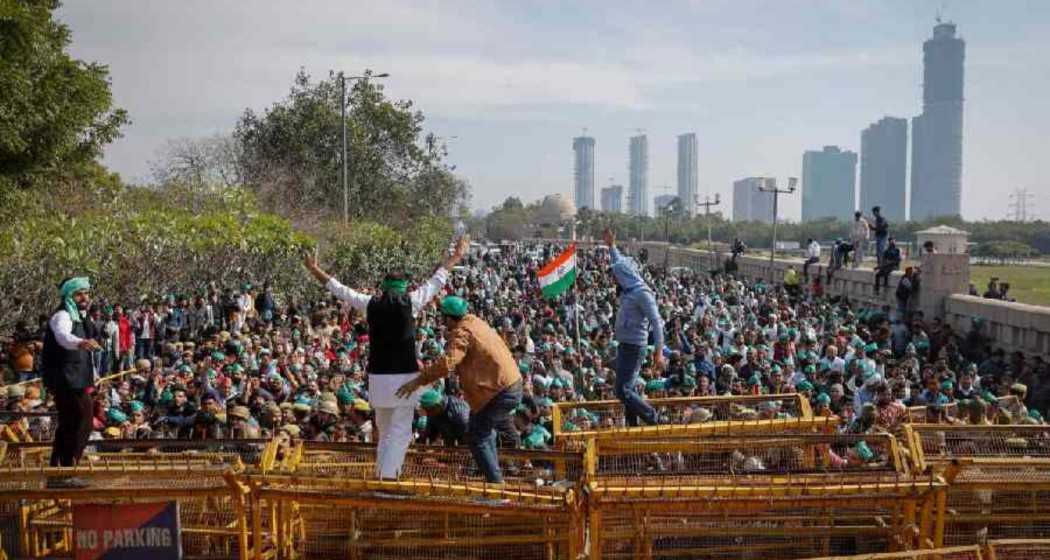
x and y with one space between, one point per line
687 171
497 82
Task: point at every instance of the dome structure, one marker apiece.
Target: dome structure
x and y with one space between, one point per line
555 210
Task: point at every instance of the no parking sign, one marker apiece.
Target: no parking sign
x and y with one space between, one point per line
127 531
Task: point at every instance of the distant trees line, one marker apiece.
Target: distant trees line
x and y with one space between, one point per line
509 220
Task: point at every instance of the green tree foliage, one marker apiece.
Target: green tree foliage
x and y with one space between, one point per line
56 112
291 154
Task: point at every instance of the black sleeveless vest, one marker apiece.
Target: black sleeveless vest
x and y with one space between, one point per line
391 335
66 369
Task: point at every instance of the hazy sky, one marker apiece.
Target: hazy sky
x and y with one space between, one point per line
758 81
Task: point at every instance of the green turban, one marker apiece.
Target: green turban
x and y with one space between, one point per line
70 287
430 398
454 306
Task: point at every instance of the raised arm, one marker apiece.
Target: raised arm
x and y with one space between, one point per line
422 295
357 300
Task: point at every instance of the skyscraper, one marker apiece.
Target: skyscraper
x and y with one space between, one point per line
936 158
612 198
883 167
638 168
583 146
829 179
751 204
687 172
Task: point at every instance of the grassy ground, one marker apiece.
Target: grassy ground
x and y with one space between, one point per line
1028 284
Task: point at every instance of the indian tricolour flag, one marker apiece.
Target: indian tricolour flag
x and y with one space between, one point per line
559 274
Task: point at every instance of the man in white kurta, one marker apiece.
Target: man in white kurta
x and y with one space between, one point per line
392 359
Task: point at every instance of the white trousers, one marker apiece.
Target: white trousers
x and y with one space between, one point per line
393 420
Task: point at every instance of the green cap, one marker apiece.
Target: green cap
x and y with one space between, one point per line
863 451
755 380
655 385
823 398
689 382
524 367
810 369
871 347
535 440
804 386
344 396
1035 415
454 306
136 406
946 384
116 416
218 356
430 398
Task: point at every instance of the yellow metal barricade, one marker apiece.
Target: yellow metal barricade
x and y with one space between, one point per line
999 478
947 553
580 418
754 496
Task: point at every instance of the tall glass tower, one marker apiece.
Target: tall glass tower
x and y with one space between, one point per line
583 146
936 169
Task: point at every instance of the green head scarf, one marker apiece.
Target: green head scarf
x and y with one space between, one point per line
70 287
395 286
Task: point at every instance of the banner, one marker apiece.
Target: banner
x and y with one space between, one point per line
127 531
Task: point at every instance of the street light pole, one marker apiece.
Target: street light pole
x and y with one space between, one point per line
770 186
342 114
707 204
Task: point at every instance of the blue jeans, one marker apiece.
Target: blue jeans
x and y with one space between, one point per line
880 246
481 430
628 365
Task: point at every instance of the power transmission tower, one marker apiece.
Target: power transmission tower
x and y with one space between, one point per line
1020 200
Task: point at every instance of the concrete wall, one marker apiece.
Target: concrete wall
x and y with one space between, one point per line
1014 326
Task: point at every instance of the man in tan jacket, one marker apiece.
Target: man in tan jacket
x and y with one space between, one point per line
488 376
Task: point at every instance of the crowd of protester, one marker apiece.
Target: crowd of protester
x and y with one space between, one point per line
248 363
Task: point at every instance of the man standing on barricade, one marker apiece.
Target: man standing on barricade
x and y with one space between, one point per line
69 374
392 356
488 375
636 316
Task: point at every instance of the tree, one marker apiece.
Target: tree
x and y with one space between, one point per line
55 111
291 154
203 163
1004 251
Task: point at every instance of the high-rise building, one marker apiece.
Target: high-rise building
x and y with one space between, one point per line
883 167
829 179
936 134
662 201
751 204
583 146
638 169
612 198
687 171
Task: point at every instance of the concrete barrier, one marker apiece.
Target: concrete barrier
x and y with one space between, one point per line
1013 326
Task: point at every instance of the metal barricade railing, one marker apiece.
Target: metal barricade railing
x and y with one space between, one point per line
326 502
999 478
760 496
584 417
947 553
1018 549
953 410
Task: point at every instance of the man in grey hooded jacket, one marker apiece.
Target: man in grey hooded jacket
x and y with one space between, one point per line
636 316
